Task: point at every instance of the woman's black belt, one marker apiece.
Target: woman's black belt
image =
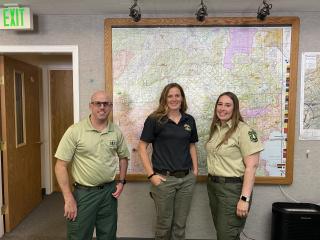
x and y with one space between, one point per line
177 174
218 179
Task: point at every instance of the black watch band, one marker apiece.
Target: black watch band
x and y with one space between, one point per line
151 175
245 198
123 181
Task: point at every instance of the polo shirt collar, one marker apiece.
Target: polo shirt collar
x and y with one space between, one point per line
184 118
89 127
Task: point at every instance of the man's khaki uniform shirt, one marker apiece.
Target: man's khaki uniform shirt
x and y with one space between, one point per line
228 159
94 154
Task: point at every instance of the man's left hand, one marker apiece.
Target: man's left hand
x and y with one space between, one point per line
119 188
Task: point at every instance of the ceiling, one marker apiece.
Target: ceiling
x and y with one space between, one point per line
161 7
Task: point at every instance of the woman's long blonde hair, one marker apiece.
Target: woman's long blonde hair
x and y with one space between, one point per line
162 109
235 118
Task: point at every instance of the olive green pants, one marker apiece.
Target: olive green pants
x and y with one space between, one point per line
223 199
96 208
172 200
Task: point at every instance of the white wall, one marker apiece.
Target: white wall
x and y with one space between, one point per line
136 210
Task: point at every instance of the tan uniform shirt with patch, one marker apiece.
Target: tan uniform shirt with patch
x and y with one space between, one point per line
228 159
94 155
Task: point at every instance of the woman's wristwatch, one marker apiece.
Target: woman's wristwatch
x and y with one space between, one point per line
245 198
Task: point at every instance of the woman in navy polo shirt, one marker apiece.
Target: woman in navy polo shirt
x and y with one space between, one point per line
173 134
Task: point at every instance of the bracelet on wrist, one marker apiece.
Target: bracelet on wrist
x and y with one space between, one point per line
150 176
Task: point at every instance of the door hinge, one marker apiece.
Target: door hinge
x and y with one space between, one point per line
4 209
1 80
2 146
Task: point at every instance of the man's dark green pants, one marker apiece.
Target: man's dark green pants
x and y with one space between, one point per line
96 208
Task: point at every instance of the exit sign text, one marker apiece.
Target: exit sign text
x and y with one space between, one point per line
16 18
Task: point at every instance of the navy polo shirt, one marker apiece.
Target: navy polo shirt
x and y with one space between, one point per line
170 142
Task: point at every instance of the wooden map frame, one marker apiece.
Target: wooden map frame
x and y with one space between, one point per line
292 22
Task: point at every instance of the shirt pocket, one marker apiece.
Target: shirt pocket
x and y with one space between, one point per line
110 145
229 149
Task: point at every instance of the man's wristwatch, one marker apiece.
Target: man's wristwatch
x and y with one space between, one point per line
245 198
123 181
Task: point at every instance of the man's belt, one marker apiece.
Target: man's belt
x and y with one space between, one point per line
177 174
98 187
218 179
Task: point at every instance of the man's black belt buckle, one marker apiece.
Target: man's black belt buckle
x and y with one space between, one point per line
177 174
218 179
80 186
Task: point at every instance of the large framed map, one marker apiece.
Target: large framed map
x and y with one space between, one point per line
257 60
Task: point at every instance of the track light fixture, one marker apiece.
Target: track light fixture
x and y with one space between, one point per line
264 11
135 12
202 12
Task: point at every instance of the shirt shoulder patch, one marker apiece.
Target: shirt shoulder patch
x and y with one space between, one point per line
253 135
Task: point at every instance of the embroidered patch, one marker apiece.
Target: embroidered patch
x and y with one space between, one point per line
253 136
187 127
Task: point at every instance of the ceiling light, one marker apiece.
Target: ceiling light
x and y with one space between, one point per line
135 12
202 12
264 10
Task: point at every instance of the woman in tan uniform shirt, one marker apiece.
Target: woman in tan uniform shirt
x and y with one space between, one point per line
233 152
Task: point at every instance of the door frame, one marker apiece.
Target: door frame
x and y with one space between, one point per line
73 49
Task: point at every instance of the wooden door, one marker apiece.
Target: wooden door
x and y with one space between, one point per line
61 101
1 157
20 119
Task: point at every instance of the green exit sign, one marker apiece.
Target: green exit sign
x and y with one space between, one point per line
16 18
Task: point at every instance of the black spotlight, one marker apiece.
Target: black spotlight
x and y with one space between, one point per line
264 11
135 12
202 12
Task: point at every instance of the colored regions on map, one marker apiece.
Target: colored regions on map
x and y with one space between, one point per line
249 61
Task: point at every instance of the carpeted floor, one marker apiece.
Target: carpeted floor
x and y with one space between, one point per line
45 222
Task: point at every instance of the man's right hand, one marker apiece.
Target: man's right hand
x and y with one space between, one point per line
70 207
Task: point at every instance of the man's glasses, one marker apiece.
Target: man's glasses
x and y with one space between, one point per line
103 104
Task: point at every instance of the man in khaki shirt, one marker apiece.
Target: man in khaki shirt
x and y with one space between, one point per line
93 147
